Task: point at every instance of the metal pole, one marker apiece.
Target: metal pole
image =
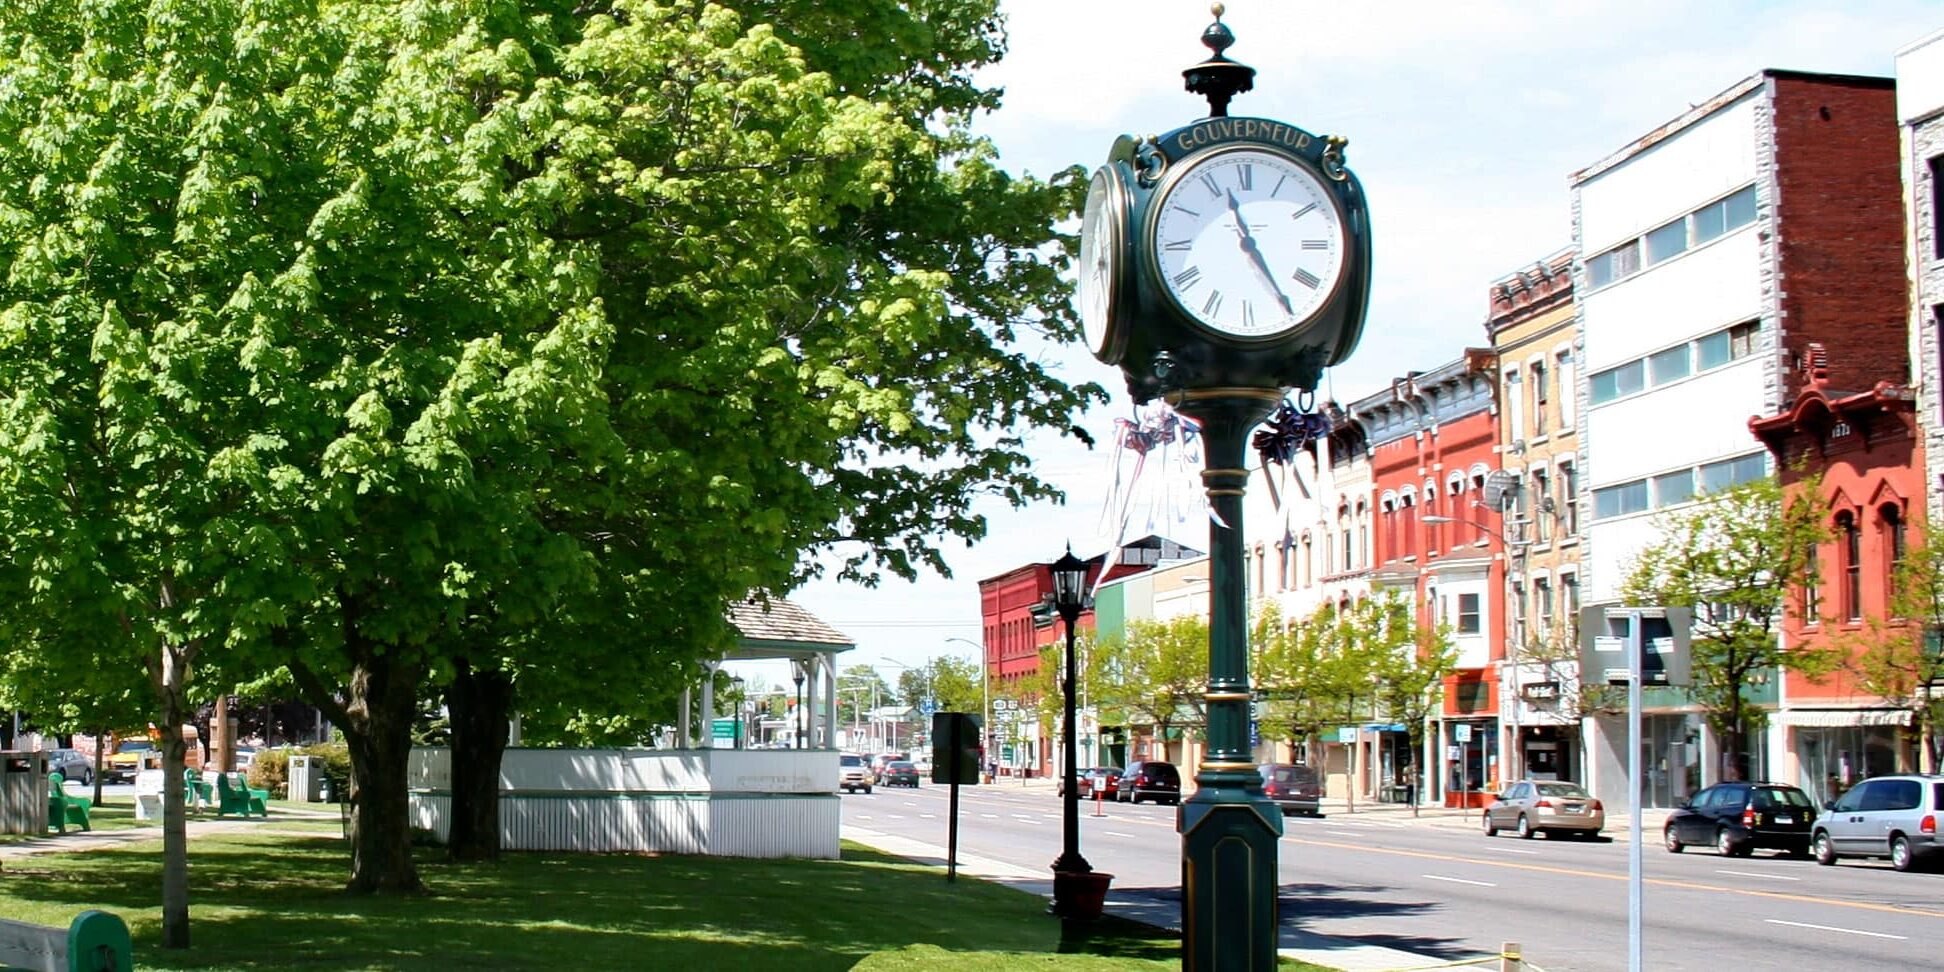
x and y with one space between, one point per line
1633 787
1070 860
1229 830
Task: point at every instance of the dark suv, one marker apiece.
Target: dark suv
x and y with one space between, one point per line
1153 780
1737 818
1291 787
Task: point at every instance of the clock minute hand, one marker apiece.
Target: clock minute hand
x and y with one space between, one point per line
1256 262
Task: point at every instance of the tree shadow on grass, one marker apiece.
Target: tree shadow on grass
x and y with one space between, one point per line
276 900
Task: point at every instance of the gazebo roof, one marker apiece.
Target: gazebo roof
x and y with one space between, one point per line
777 628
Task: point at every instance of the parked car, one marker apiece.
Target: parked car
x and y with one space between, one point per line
72 764
899 772
1150 780
852 774
245 755
1887 816
1293 788
1102 779
1738 818
1552 807
878 762
129 758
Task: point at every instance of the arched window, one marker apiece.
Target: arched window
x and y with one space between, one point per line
1851 537
1361 557
1343 538
1407 524
1305 564
1894 538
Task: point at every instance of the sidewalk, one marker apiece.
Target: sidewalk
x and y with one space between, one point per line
89 840
1160 910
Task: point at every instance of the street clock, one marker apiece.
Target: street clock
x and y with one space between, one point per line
1221 265
1229 252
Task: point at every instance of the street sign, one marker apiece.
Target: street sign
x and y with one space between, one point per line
1001 705
1461 732
928 706
1664 636
722 728
1006 753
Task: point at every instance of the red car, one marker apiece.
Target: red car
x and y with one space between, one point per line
1106 779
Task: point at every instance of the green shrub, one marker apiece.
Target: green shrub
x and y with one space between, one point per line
270 770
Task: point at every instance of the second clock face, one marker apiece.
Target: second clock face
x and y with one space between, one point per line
1249 243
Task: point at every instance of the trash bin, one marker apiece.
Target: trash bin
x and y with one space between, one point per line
23 793
306 775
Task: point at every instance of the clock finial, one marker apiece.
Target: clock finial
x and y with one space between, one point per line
1218 79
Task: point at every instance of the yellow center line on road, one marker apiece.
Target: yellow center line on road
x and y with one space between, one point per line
1607 876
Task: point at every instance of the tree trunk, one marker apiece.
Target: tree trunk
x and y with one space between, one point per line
480 705
170 676
376 718
383 702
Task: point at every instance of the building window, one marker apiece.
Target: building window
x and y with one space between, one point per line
1407 524
1362 546
1568 389
1542 521
1614 383
1667 241
1669 365
1937 206
1620 500
1515 402
1621 261
1672 488
1717 476
1852 540
1539 397
1569 497
1893 548
1542 606
1718 217
1569 591
1812 586
1468 622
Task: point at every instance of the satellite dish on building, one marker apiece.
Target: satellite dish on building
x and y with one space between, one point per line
1499 486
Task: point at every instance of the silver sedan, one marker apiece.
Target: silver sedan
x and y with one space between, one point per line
1552 807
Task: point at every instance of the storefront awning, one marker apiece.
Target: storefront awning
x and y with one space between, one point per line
1839 718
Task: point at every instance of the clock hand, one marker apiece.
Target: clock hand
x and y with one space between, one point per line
1256 262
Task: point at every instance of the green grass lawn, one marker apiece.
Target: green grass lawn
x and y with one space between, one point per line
272 898
119 814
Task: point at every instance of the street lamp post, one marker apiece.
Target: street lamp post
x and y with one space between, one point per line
799 708
1069 869
1515 760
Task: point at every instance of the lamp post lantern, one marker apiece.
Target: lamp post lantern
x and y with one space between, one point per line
1222 264
799 708
1072 875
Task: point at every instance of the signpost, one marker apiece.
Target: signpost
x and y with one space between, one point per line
1633 646
955 760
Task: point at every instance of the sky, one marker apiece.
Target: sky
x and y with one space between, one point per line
1465 121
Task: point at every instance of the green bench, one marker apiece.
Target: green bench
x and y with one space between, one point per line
95 941
63 809
197 791
234 795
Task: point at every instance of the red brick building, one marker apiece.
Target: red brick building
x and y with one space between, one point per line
1433 444
1863 450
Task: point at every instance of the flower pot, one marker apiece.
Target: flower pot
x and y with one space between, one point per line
1084 894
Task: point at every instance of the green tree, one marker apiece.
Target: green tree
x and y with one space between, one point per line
1321 672
1901 657
371 339
1732 558
1415 660
1158 673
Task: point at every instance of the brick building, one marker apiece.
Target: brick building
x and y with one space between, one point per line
1530 323
1863 451
1713 250
1433 441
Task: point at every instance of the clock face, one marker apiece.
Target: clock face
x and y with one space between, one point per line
1249 243
1098 290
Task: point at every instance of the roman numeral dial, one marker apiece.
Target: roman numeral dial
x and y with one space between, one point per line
1248 242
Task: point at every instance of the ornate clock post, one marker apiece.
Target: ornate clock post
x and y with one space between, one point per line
1222 264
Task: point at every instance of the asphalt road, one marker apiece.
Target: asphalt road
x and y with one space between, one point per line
1448 892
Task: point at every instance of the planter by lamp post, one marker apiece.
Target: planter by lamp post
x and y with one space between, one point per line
1079 891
